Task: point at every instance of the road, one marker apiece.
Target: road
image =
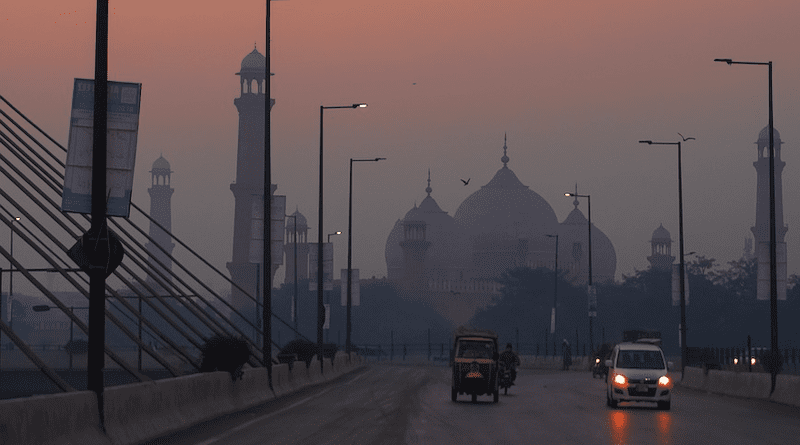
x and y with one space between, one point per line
395 404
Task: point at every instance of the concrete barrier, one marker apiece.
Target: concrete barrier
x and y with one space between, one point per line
314 372
328 370
787 390
67 418
693 378
252 389
298 376
280 379
143 411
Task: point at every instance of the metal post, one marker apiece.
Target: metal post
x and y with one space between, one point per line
349 256
429 344
517 340
266 311
97 276
320 283
589 211
139 347
391 357
773 261
681 276
295 274
71 344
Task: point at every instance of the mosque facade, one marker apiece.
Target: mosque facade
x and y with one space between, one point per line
502 225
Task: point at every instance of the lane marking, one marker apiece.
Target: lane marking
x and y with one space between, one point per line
267 416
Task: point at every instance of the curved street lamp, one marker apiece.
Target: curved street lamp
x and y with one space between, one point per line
682 266
320 301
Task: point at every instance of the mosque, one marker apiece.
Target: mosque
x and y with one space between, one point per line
502 225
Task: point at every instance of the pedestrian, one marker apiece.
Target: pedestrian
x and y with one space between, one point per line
567 355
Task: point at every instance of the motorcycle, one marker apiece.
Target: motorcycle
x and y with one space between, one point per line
599 369
504 377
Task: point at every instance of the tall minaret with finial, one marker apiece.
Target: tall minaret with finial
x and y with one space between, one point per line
761 229
415 244
161 211
249 186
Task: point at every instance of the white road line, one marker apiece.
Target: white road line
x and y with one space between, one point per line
267 416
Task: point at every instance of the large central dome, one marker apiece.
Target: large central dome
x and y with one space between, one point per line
505 208
505 222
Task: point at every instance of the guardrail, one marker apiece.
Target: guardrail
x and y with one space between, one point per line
753 385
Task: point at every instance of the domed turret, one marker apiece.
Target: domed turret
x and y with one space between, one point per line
255 61
161 164
661 234
661 243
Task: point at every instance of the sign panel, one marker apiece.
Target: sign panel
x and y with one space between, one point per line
327 324
591 291
553 321
676 287
763 291
256 254
355 286
123 126
327 266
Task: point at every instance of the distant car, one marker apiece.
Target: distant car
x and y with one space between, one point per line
637 372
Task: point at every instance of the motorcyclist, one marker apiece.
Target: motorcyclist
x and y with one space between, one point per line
510 359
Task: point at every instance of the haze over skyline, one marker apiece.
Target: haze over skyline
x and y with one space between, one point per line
575 86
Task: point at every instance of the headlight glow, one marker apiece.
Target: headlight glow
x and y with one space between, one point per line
753 361
663 381
736 361
597 360
620 379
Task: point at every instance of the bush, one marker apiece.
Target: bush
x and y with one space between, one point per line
225 353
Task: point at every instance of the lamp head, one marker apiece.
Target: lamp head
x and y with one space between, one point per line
380 159
646 142
568 194
41 308
359 105
337 233
728 61
16 218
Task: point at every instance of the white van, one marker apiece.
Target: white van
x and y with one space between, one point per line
637 372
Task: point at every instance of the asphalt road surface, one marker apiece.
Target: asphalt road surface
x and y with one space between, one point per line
395 404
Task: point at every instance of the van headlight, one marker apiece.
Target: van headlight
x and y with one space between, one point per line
663 381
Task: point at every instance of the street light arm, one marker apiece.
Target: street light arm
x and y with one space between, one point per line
735 62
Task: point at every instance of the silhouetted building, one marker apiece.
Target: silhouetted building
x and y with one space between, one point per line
661 243
498 227
161 211
761 229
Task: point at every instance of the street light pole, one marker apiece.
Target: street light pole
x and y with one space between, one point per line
592 294
11 277
773 261
682 266
320 302
350 250
555 290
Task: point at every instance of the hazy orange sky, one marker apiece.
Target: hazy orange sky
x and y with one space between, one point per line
575 84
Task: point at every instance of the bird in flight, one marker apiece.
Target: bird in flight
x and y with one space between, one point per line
685 139
466 182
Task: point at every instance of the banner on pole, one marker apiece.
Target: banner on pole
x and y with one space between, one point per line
278 209
763 291
355 286
591 291
327 266
122 132
327 324
676 287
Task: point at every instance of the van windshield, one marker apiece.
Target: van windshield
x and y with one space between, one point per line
475 349
638 359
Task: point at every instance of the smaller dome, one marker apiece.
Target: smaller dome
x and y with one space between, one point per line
301 220
763 135
661 234
161 164
255 61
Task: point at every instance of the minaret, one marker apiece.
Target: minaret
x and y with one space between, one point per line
761 229
249 186
302 248
661 243
160 210
415 245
